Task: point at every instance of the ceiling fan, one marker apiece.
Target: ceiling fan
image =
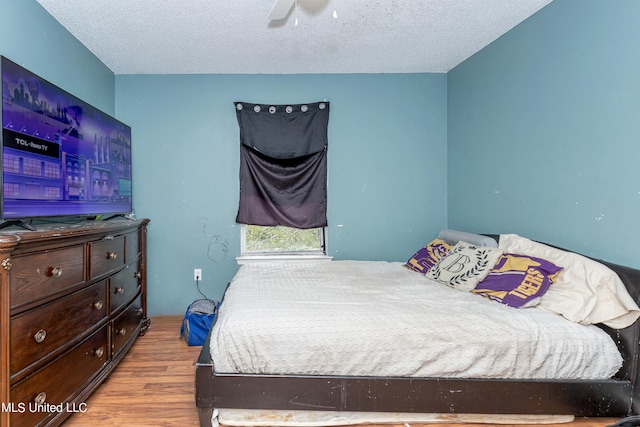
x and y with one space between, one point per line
280 9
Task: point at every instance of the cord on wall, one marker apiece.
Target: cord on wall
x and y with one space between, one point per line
198 286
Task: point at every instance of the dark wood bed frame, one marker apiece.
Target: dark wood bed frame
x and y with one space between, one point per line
616 397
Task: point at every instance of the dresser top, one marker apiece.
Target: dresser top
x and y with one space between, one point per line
46 230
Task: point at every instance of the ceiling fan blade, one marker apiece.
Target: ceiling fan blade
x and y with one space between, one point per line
280 9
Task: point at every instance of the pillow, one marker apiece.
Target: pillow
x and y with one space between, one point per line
428 256
464 266
518 280
454 236
586 291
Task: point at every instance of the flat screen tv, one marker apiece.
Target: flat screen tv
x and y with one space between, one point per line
61 157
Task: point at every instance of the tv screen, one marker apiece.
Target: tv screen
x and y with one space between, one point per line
60 155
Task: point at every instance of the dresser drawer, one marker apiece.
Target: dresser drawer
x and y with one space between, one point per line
124 285
132 246
125 326
61 380
106 256
38 332
41 275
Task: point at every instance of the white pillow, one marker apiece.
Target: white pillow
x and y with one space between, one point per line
585 291
464 266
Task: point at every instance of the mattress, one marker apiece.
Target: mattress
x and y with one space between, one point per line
375 318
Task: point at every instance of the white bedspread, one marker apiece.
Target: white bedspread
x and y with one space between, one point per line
374 318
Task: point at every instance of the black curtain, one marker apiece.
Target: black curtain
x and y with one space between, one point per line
283 164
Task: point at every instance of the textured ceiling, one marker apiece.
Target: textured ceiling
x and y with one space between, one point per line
236 37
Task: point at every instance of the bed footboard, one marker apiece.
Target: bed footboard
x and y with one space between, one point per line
423 395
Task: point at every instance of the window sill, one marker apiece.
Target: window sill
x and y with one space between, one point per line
247 259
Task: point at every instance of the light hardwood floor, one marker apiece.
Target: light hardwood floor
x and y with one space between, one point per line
153 386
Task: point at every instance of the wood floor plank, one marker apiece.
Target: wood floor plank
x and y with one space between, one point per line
154 386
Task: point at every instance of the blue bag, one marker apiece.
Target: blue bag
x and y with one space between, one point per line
198 320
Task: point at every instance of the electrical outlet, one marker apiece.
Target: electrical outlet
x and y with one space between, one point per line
197 274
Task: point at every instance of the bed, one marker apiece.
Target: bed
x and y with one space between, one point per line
366 341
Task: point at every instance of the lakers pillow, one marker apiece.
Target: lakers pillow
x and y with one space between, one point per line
518 280
427 257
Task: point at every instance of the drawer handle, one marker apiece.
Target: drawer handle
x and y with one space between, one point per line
118 291
40 336
137 275
139 311
98 352
112 255
40 399
98 305
122 331
56 271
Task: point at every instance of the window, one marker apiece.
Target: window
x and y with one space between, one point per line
11 163
283 180
11 189
32 167
281 241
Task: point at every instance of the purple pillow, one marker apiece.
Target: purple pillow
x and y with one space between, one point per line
518 280
427 257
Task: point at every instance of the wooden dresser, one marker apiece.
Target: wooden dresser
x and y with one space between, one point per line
72 302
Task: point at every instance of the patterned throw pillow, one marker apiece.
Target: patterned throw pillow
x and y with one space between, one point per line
428 256
464 266
518 280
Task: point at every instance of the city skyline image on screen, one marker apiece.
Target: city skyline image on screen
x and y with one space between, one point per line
60 155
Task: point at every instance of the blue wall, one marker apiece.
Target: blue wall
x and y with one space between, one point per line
32 38
543 131
387 168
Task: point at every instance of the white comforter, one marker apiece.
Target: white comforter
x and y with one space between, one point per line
371 318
